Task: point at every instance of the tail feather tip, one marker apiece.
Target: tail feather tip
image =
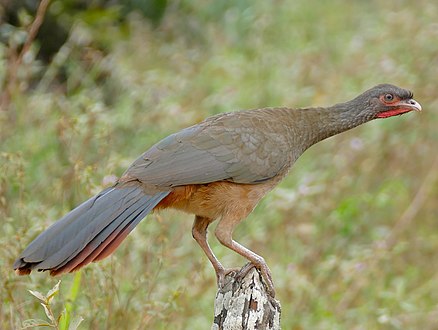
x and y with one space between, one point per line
23 271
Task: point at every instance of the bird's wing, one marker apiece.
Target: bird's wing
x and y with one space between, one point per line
241 147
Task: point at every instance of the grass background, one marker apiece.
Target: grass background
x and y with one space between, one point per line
350 235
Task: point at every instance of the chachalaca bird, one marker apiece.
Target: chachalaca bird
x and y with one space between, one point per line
217 169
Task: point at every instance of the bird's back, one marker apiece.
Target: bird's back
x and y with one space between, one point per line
247 147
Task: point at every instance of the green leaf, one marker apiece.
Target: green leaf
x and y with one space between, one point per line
39 295
53 292
74 289
69 305
48 313
63 320
31 323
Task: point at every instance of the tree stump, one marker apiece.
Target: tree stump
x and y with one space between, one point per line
244 304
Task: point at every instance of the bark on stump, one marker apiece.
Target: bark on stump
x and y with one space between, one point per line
243 304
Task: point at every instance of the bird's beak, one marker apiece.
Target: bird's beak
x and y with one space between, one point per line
399 108
411 104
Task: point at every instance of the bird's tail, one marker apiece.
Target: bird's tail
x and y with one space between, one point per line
90 232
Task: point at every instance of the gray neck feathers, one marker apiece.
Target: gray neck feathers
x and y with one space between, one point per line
309 126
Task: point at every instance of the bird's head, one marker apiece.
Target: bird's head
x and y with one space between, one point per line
381 101
385 100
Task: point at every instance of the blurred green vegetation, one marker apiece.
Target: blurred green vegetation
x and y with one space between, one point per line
350 235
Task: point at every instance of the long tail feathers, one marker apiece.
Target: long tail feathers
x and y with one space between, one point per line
90 232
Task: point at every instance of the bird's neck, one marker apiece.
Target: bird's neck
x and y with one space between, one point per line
316 124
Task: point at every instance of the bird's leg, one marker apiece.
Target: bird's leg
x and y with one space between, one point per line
224 233
199 232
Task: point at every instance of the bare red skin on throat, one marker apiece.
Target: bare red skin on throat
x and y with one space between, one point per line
393 112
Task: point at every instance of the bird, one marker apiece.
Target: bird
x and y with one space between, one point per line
218 169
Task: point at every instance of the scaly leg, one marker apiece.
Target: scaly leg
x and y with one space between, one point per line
199 232
224 233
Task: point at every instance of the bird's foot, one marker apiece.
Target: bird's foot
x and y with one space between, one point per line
266 275
221 273
242 272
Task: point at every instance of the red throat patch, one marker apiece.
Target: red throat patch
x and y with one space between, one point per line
393 112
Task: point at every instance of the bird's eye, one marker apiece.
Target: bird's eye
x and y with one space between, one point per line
388 97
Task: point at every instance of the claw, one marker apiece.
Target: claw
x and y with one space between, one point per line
265 273
241 273
222 273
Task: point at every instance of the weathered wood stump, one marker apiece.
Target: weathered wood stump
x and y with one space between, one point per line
244 304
